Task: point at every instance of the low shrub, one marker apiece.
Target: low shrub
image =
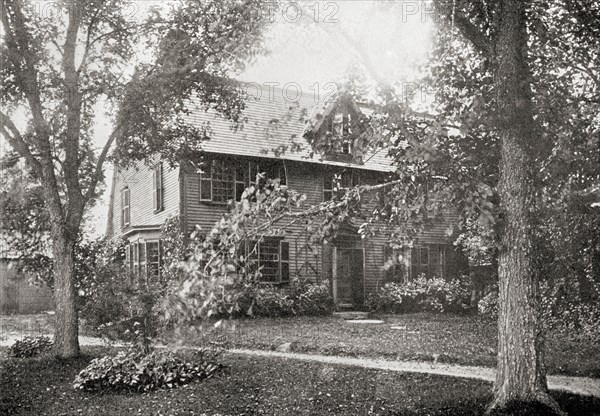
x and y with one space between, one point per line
311 299
30 347
488 305
421 295
251 299
266 301
560 313
136 371
118 305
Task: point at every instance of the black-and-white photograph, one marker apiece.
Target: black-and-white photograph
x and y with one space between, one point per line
300 207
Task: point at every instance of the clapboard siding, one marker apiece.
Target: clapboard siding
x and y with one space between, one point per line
312 262
308 261
304 178
138 179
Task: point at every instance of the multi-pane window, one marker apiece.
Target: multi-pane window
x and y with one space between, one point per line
153 259
335 184
271 257
395 264
157 187
429 260
225 179
144 259
217 181
125 208
341 128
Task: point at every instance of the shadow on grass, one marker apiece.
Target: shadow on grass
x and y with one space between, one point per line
255 386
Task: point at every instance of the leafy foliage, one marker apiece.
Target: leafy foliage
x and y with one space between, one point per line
219 258
248 299
135 371
300 298
174 248
116 303
488 305
121 306
421 295
30 347
59 69
197 46
563 310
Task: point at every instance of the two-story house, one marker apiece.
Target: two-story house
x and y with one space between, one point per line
274 138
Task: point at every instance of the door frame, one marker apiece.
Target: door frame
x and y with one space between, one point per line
334 275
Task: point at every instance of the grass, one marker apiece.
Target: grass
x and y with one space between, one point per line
466 340
37 324
254 386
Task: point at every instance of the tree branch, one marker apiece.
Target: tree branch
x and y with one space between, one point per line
73 103
16 140
99 165
323 207
19 42
88 43
472 33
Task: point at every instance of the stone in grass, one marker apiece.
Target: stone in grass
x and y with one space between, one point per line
285 347
365 321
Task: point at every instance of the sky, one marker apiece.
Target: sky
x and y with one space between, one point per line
316 45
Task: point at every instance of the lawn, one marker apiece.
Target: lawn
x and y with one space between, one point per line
38 324
254 386
467 340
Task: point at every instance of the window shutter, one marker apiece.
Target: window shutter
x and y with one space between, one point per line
284 258
128 209
155 188
125 208
160 187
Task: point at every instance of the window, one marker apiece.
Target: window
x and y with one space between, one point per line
136 259
145 259
142 259
217 182
395 264
341 128
125 208
226 179
429 260
271 257
328 181
157 187
153 258
335 184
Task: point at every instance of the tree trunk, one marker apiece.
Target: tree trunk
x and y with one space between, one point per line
521 373
66 334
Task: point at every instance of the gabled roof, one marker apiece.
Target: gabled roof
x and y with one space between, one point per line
274 123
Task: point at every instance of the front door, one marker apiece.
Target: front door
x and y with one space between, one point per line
349 276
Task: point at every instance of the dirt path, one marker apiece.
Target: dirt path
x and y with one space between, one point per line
578 385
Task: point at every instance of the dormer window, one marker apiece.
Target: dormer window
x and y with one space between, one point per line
340 127
338 124
347 146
